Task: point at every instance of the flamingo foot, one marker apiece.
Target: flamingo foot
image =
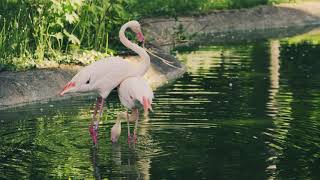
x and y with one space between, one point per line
93 133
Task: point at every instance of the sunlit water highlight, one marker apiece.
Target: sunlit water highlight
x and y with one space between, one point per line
243 111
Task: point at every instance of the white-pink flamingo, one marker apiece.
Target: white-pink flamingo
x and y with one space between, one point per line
134 92
116 128
104 75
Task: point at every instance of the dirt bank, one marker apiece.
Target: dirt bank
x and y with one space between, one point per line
218 24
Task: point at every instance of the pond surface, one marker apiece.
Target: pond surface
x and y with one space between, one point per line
243 111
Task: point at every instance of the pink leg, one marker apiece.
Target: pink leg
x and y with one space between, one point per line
98 102
101 108
128 124
93 128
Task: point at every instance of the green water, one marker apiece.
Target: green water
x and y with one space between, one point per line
243 111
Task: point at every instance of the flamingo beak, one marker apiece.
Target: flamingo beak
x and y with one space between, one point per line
67 87
146 104
114 140
140 37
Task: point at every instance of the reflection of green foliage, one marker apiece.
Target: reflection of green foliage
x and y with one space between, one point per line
295 134
54 143
305 38
244 122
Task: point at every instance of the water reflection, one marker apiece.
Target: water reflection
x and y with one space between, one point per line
274 77
243 110
95 162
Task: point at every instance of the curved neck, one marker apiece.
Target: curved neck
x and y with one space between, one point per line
118 122
145 63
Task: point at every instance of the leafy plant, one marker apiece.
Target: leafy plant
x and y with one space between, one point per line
33 32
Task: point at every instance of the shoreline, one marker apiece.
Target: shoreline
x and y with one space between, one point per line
168 33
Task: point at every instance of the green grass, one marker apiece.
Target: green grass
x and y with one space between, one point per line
36 31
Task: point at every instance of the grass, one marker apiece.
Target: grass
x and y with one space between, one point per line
36 31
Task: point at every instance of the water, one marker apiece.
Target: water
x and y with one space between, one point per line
243 111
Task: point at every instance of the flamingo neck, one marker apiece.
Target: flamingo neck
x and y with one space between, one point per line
145 63
118 121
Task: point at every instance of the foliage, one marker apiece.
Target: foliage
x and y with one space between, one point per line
310 38
34 31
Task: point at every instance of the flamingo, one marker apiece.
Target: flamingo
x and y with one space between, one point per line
116 128
134 92
104 75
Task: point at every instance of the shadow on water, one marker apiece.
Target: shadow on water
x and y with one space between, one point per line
243 110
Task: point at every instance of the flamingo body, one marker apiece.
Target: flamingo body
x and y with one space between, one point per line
134 92
102 76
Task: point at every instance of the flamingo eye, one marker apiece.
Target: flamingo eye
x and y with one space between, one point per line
88 81
131 97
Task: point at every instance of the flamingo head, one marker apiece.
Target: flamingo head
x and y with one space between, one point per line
115 133
79 83
136 28
116 128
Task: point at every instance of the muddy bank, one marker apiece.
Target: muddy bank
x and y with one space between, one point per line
20 88
228 25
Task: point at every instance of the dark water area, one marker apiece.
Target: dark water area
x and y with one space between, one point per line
243 111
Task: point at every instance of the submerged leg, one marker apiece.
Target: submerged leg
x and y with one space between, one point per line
100 114
136 126
93 128
134 115
96 108
128 124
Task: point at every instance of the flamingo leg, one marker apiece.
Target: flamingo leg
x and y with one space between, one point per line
136 126
100 113
93 128
96 108
128 124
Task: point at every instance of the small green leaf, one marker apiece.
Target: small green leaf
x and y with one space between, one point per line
71 37
69 18
59 36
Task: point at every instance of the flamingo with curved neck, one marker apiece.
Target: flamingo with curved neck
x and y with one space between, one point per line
134 93
105 74
145 63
